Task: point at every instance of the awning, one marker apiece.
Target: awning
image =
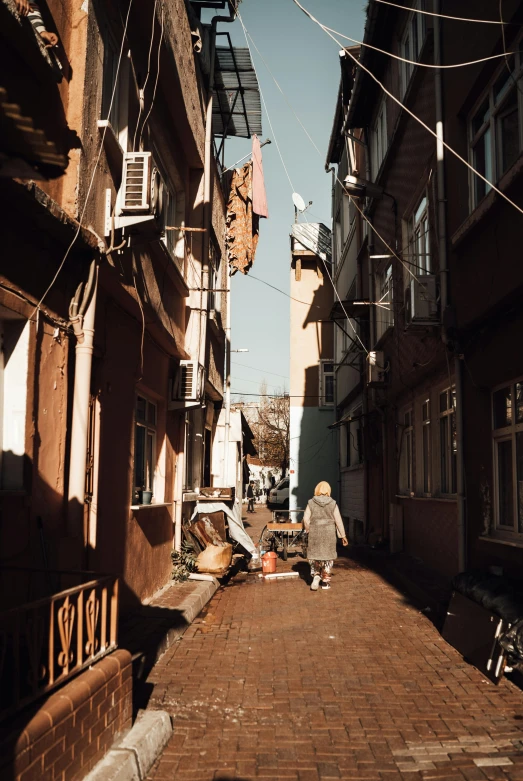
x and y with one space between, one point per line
313 236
236 104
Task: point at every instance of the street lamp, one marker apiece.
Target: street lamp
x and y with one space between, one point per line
361 188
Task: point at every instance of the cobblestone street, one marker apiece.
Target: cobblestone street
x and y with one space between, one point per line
276 681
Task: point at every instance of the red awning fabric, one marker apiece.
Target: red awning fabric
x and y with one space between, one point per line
259 196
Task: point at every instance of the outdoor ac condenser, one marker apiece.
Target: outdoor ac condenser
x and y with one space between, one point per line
142 194
190 383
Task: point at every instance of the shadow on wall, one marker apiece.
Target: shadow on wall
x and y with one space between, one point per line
315 458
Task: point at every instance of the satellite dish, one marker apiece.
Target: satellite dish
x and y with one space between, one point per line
298 202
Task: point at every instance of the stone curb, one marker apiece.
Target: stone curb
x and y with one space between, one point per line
134 756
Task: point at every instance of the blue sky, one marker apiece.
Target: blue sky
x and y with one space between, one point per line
305 62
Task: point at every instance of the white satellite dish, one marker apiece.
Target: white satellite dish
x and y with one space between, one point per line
298 202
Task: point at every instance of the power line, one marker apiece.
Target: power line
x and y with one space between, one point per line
237 363
306 303
441 16
95 168
416 62
265 107
438 138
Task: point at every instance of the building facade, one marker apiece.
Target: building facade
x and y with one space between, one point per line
312 395
440 382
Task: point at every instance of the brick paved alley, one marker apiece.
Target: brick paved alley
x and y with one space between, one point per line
276 681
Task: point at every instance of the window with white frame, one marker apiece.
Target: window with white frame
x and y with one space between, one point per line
496 128
448 446
14 360
419 238
326 390
426 447
384 305
406 476
507 434
379 139
145 454
411 44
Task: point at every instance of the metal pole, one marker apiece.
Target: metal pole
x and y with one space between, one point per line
227 383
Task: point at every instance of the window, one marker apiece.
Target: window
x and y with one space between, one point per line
419 243
495 129
379 139
384 312
507 423
117 111
337 240
411 45
448 441
214 279
407 453
426 441
144 444
14 357
326 384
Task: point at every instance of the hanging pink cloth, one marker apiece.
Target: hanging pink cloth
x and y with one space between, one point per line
259 196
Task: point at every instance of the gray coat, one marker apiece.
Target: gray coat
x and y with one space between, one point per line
322 520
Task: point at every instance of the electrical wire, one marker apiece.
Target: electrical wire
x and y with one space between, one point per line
237 363
438 138
143 327
95 168
157 77
505 53
146 77
416 62
306 303
267 113
440 16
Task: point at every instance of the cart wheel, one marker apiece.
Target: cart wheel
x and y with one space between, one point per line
285 546
267 540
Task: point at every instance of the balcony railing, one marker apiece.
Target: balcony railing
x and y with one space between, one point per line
45 643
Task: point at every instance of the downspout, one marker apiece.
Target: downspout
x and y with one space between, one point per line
208 181
227 433
82 317
444 288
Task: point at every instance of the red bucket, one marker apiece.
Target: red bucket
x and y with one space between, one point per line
269 562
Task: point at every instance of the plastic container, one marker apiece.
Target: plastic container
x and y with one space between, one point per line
269 562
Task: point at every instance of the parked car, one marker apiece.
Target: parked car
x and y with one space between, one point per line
279 496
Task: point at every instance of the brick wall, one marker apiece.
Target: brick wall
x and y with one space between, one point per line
71 731
430 533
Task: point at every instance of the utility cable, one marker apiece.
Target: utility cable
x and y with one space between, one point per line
157 76
142 90
266 111
438 138
95 168
440 16
257 369
416 62
306 303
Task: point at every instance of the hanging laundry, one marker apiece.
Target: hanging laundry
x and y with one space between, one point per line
241 237
259 196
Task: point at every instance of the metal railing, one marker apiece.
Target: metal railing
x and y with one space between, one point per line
44 643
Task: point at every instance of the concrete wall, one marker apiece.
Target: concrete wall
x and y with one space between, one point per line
313 445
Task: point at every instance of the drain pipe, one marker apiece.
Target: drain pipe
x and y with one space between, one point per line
208 180
82 316
444 285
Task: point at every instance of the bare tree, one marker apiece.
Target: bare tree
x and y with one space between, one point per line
272 429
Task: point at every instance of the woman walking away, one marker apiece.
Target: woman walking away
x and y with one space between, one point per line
322 520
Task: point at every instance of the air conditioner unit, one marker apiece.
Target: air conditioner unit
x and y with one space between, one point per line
142 194
376 368
421 301
190 384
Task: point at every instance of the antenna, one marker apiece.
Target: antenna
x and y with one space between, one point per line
298 202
